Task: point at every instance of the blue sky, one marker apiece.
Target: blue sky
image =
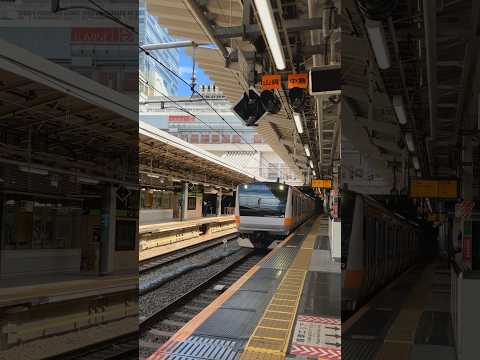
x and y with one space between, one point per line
185 71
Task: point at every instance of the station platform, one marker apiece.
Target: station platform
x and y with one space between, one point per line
182 224
285 307
166 237
45 289
409 319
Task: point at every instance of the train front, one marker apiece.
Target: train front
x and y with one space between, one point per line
260 213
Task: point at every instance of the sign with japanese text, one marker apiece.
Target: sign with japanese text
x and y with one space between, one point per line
271 82
322 184
298 80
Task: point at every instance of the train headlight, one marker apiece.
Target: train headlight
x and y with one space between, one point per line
245 186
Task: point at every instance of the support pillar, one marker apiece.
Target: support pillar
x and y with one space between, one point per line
108 224
185 201
219 203
467 194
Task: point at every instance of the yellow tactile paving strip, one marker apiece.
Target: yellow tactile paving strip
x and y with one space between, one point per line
401 335
271 337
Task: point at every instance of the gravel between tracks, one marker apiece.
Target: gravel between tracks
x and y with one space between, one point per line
201 256
172 290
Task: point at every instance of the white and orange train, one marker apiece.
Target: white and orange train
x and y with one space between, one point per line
377 245
268 211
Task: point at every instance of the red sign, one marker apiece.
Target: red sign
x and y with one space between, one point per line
319 320
298 80
102 35
271 82
320 352
181 118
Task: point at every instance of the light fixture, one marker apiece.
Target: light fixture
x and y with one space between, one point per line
34 170
154 176
409 141
311 164
307 150
85 180
269 25
379 43
314 173
281 187
298 122
399 107
245 186
416 164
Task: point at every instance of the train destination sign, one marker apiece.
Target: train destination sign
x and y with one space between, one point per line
433 188
322 183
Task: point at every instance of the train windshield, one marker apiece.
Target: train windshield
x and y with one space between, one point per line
263 199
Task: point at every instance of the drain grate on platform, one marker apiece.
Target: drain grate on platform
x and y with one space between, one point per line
359 349
282 259
204 348
373 325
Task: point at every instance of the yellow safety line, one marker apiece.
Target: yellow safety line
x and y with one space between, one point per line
291 285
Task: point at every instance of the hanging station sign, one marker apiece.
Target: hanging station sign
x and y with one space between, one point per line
271 82
322 183
298 80
423 188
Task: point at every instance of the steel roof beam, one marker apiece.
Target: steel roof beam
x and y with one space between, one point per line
253 30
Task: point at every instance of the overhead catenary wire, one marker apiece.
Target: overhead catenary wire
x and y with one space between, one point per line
196 92
263 161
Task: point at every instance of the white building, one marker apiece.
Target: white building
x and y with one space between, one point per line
227 138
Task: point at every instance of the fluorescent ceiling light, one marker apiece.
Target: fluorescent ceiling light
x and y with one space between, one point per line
416 164
85 180
307 150
379 43
399 107
311 164
298 122
33 170
409 141
155 176
269 26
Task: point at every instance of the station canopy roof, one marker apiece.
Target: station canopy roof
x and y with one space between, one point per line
76 126
278 130
165 155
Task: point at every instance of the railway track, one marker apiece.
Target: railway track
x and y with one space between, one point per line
150 264
157 328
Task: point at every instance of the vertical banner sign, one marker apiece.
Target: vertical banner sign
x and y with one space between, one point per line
467 243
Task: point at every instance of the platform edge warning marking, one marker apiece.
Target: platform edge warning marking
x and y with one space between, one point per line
194 323
297 272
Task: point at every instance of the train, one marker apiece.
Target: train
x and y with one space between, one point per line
266 212
377 245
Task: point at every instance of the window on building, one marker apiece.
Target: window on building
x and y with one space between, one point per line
192 203
225 139
215 139
194 138
125 235
205 139
236 139
257 139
